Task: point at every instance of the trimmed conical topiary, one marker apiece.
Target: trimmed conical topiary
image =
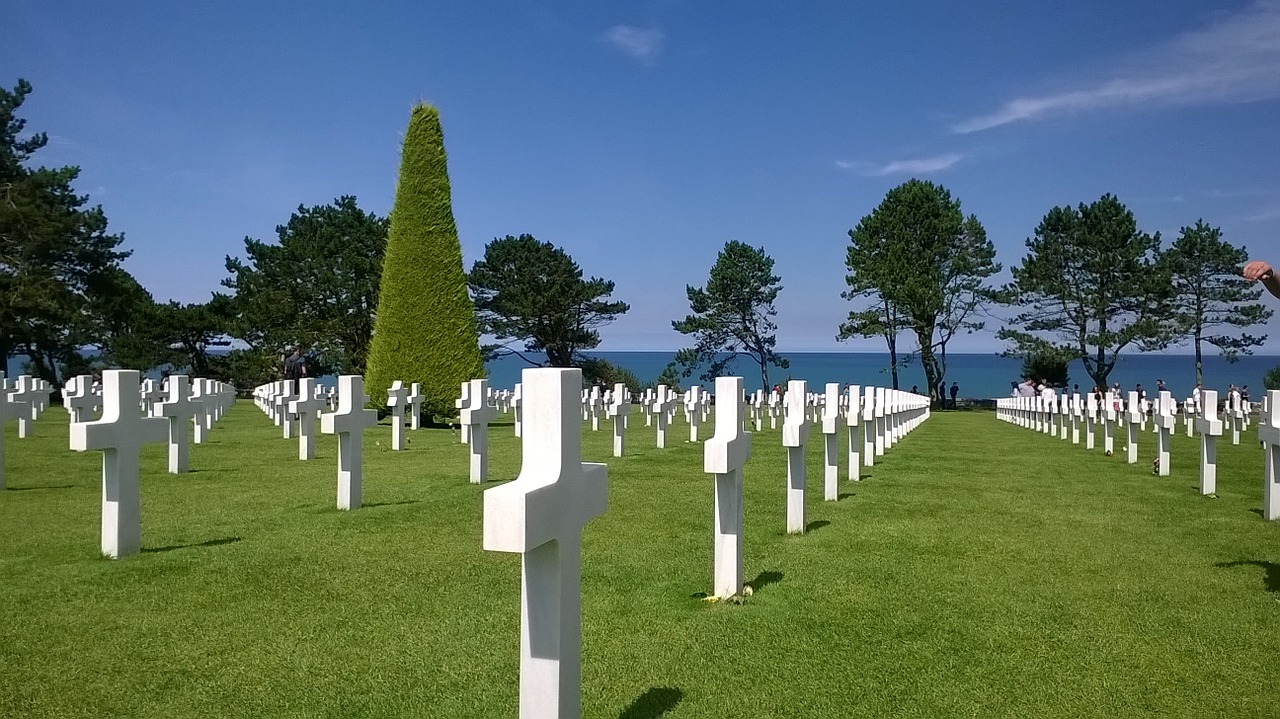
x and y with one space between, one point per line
425 330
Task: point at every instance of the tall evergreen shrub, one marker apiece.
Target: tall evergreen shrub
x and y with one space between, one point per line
425 329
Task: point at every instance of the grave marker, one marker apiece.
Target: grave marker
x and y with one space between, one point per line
795 433
724 455
1210 428
120 434
619 409
541 515
476 415
397 400
308 404
830 432
1269 436
349 421
177 409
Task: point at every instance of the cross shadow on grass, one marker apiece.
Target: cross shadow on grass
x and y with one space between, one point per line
655 702
208 543
1270 580
816 525
51 486
392 504
764 579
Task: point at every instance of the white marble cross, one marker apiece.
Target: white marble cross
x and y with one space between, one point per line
77 397
397 400
1269 436
1164 421
288 393
120 434
1210 428
868 426
1111 416
619 409
517 407
10 408
1136 418
795 434
461 402
349 422
541 515
1235 416
851 416
831 435
177 408
477 413
307 406
691 411
724 455
415 406
26 393
1076 408
661 405
199 420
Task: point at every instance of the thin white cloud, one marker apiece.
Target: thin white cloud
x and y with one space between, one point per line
642 43
1236 59
917 166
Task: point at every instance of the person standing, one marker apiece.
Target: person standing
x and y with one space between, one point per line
295 368
955 391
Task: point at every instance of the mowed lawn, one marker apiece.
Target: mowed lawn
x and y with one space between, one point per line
979 569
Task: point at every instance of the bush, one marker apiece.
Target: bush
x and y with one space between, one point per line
425 330
603 372
1271 380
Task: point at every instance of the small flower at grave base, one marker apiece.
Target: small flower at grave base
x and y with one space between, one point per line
747 590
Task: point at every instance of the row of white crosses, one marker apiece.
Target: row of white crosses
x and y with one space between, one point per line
542 514
1045 412
32 393
120 433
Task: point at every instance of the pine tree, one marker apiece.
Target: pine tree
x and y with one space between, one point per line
425 330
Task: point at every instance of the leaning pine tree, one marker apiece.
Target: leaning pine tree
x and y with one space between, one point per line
425 330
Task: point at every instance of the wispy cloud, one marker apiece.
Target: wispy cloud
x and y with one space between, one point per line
1236 59
917 166
642 43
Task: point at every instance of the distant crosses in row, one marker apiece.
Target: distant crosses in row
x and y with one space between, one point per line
397 400
830 433
11 407
619 410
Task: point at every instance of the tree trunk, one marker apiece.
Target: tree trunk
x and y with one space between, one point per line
930 364
893 356
1199 360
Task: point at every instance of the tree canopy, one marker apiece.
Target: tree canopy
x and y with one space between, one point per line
927 264
316 287
533 293
61 283
425 327
1091 286
1209 293
733 315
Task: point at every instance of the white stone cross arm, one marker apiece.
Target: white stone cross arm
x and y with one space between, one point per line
729 448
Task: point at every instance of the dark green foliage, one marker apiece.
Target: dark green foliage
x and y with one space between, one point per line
246 368
733 315
1091 286
174 334
1272 379
533 292
59 268
670 376
925 265
318 287
1210 293
603 372
1048 366
425 329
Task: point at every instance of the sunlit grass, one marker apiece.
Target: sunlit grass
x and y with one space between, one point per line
978 570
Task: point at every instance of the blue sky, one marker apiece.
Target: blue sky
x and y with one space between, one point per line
642 136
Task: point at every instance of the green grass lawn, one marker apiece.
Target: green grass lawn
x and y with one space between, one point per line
979 570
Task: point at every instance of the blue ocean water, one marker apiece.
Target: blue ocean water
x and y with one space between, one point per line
979 375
